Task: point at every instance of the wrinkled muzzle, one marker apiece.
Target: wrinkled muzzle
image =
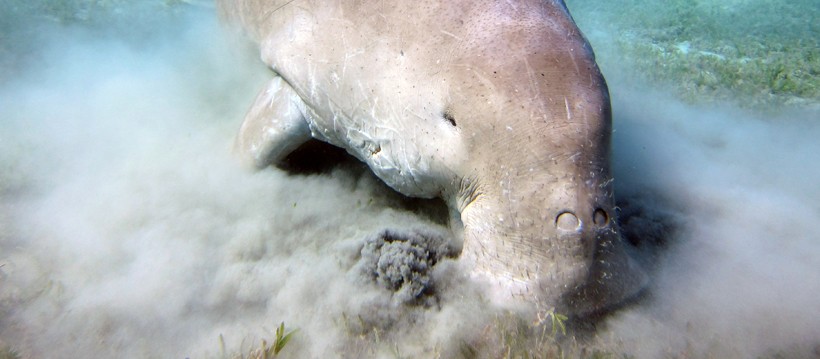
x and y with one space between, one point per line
613 276
571 261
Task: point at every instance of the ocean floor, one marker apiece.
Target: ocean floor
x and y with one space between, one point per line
755 54
128 230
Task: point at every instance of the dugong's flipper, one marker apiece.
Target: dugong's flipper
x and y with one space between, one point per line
274 126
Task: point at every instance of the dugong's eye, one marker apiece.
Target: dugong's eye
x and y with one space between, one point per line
448 116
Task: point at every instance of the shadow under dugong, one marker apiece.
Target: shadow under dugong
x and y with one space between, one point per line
497 107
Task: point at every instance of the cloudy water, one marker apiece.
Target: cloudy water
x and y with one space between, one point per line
127 229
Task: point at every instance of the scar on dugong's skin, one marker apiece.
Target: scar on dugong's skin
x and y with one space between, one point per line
498 107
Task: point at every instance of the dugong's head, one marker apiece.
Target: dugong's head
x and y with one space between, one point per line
536 193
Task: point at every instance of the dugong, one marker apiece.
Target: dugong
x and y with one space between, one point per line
497 107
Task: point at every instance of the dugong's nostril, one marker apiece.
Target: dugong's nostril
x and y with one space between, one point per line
567 221
600 218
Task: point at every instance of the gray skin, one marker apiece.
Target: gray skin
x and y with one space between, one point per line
497 107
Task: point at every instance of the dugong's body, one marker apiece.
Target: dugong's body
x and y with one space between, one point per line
498 107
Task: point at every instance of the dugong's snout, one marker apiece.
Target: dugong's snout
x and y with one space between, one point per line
607 276
570 254
539 219
614 279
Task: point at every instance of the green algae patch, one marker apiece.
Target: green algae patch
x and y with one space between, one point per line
755 54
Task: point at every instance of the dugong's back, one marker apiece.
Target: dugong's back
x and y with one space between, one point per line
374 69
